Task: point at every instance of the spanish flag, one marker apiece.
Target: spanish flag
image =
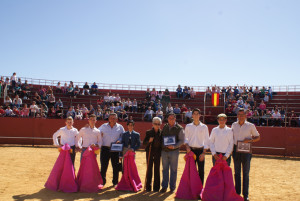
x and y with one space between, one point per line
215 99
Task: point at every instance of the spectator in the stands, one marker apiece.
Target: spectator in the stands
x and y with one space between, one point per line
44 98
52 112
25 111
94 89
123 116
25 90
208 92
246 105
37 98
176 111
179 92
13 80
188 116
59 103
166 97
33 109
160 95
49 91
240 102
128 105
118 108
58 88
160 114
76 91
185 93
100 101
262 92
276 118
2 111
192 93
153 98
91 110
99 113
64 88
282 112
112 107
262 106
86 89
274 108
134 106
153 92
293 119
78 114
59 112
117 99
16 111
266 98
43 110
148 95
169 108
84 111
183 109
158 105
7 101
17 89
270 92
51 100
255 118
229 110
9 112
71 112
17 101
140 106
107 99
70 91
148 114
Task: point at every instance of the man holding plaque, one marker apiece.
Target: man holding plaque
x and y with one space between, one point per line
197 141
244 133
173 138
111 132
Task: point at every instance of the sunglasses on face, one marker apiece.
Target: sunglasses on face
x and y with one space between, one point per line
156 124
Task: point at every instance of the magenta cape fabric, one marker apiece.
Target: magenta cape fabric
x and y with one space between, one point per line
190 185
130 180
62 176
219 184
89 178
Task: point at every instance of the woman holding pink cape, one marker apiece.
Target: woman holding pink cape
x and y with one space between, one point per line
62 177
190 185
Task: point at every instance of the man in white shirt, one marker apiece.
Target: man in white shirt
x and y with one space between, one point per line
68 135
111 132
247 133
148 114
197 141
221 140
89 136
276 118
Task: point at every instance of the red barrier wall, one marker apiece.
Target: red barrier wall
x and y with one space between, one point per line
271 137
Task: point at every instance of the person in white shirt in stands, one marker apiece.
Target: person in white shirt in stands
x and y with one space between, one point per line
68 135
89 136
33 109
197 140
276 118
111 132
246 132
221 140
107 99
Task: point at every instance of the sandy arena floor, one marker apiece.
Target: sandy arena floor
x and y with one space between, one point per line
24 171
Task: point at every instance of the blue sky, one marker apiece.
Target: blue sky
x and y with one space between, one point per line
163 42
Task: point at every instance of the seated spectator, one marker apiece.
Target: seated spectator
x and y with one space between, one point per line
112 98
17 101
76 91
140 106
100 101
193 93
282 112
70 91
94 89
240 102
166 96
106 115
112 107
185 93
262 92
17 89
7 101
144 105
183 109
176 110
118 108
262 106
37 98
2 112
160 114
25 90
250 99
293 119
58 88
148 114
92 110
179 92
159 95
13 79
229 110
270 92
153 92
99 114
9 112
123 116
84 111
49 91
148 95
43 111
107 99
86 89
246 105
152 105
64 88
128 105
52 112
158 105
255 117
51 100
208 92
78 114
59 112
25 111
274 108
266 98
44 98
276 118
117 99
134 106
34 109
169 108
59 103
16 111
71 112
153 98
188 116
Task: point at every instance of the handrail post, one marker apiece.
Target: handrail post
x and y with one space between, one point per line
204 108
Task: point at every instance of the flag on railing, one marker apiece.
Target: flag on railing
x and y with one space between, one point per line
215 99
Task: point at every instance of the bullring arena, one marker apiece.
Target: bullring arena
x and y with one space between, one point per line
27 154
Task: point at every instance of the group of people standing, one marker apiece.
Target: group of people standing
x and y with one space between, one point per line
195 137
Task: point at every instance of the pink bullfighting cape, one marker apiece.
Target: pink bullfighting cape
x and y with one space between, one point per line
130 180
62 177
190 185
89 178
219 184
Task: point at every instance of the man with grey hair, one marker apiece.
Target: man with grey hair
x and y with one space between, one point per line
111 132
173 138
153 144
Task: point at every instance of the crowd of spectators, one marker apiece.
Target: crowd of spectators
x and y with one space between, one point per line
43 104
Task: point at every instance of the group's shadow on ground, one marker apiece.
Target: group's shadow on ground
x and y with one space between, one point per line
105 194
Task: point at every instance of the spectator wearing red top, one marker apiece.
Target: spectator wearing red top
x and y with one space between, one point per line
262 106
293 119
25 111
2 112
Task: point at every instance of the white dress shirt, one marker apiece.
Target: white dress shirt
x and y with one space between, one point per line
221 140
88 136
246 131
197 135
66 136
111 134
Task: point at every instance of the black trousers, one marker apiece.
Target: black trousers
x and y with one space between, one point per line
105 155
199 163
153 160
73 154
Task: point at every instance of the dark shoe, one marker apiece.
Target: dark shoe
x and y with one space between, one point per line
156 190
163 190
148 190
246 199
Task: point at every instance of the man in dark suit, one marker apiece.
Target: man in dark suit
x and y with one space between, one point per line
131 139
